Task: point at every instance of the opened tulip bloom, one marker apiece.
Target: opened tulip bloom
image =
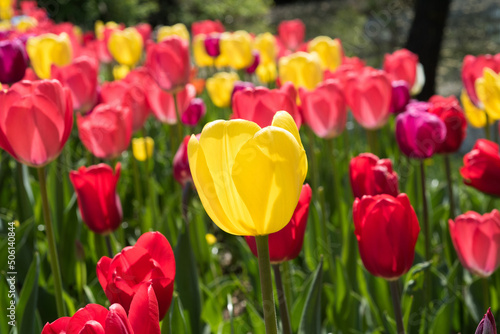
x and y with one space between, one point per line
36 118
286 244
47 50
329 50
302 69
150 262
14 61
450 112
99 203
292 33
387 229
487 325
473 69
488 93
224 162
481 166
370 175
475 116
477 241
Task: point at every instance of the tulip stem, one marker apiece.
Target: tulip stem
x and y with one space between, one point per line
179 123
108 245
312 160
425 211
373 141
266 283
450 186
54 260
487 126
287 281
486 292
396 303
285 317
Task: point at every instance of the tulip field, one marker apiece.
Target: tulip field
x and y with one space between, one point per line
180 179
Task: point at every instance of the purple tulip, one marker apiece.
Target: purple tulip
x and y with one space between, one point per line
400 96
487 324
14 61
256 62
240 85
194 112
212 45
419 134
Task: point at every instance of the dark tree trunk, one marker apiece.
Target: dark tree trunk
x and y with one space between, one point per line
425 37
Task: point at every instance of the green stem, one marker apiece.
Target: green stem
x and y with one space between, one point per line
450 186
285 317
108 245
373 141
487 126
486 292
54 260
266 284
287 282
138 186
396 303
179 122
312 160
427 234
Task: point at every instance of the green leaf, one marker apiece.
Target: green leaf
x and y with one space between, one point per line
26 307
177 320
442 322
310 321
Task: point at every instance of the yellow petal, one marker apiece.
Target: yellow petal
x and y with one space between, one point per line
120 71
178 29
46 50
220 88
329 51
126 46
200 55
284 120
142 146
476 116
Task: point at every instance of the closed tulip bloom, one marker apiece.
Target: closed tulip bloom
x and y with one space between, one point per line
302 69
292 33
261 104
387 229
450 112
106 131
98 201
369 94
81 78
145 30
36 118
150 262
481 166
329 50
475 116
162 103
126 46
212 45
488 93
178 30
400 96
324 108
47 50
404 65
473 69
200 55
207 27
236 50
224 162
101 28
168 63
372 176
220 88
194 112
14 61
267 73
419 134
266 45
487 325
477 241
142 148
182 173
286 244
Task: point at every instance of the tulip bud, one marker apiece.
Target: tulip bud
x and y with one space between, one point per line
212 45
142 148
14 61
487 324
194 112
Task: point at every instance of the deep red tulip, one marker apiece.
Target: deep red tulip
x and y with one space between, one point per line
36 118
292 33
96 319
400 96
168 63
194 112
324 108
286 244
370 175
207 27
149 262
14 61
256 61
402 65
473 68
369 95
98 201
81 79
106 131
487 325
212 45
129 94
260 104
481 167
182 173
387 230
451 113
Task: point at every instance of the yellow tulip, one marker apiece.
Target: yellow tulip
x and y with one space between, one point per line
220 87
235 50
488 92
475 116
266 45
5 25
178 29
142 146
100 27
249 179
6 10
25 23
266 72
201 58
126 46
120 71
46 50
329 51
302 69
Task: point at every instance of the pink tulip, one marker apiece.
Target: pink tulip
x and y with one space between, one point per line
402 65
292 33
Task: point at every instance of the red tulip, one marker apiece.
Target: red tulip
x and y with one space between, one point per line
402 65
129 94
260 104
347 70
98 201
473 68
162 103
96 319
369 96
106 131
207 27
149 262
168 63
145 30
324 108
370 175
387 230
194 112
36 118
477 241
292 33
481 167
81 79
286 244
487 325
450 112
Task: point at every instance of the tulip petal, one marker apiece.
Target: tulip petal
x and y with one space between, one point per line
143 314
56 327
91 327
117 322
91 313
284 120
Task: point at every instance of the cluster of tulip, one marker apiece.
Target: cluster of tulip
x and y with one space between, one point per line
248 171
